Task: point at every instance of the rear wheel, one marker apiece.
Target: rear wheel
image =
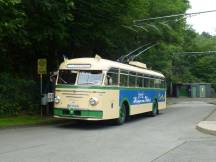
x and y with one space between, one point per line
155 110
122 115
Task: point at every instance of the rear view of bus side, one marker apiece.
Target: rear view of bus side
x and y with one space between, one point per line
100 89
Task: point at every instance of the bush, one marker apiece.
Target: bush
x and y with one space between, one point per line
17 96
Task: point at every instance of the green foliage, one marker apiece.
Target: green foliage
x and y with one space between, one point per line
100 26
205 69
17 95
32 29
195 67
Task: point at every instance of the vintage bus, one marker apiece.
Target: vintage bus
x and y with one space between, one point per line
100 89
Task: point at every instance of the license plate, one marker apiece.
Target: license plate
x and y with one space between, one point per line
72 107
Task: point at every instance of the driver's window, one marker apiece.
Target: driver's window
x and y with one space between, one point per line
112 77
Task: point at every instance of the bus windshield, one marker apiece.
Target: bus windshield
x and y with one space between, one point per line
90 78
67 77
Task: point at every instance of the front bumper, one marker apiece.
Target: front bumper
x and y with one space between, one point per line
73 114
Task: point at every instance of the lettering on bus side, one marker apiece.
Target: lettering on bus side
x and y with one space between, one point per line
136 97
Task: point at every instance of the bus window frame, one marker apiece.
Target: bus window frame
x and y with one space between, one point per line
132 75
106 73
157 85
102 80
122 73
57 78
147 77
140 75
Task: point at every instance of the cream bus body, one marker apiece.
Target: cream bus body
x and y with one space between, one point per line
101 100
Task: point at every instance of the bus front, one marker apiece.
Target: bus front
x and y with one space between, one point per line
80 93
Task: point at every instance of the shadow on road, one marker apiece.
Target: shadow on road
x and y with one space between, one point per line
86 125
93 125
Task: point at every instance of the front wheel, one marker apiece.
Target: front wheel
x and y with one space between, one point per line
155 110
122 115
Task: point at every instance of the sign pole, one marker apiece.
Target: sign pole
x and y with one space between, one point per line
42 69
41 92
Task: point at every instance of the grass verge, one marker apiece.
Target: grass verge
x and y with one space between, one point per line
26 120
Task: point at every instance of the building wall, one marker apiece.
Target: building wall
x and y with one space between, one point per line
194 90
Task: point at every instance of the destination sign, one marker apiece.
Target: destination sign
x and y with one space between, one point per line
78 66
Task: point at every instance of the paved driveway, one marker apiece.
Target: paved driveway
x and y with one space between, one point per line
171 136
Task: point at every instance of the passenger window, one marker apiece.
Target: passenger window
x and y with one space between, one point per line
132 79
112 77
146 82
157 83
124 78
152 83
139 82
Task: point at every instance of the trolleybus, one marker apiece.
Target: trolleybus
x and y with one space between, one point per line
100 89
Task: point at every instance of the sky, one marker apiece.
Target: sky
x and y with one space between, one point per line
203 22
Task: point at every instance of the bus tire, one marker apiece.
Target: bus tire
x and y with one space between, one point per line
122 115
155 110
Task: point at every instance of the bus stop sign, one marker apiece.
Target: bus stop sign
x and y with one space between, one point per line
42 66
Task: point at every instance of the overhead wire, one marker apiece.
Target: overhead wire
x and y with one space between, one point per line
174 15
196 53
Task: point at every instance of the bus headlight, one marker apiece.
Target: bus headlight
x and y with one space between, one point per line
57 99
93 101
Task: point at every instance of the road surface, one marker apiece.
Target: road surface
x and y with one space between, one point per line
170 136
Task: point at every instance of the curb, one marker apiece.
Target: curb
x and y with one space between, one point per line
207 127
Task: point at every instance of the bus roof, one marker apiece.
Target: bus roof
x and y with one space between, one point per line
103 64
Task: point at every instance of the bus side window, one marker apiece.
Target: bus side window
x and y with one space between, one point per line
124 78
157 83
152 83
108 80
132 79
139 80
112 77
146 82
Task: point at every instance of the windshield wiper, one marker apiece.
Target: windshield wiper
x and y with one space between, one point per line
63 80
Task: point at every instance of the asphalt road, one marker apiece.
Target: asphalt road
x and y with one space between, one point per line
170 136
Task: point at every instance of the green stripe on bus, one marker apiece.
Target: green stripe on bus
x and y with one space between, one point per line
78 113
84 87
104 87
